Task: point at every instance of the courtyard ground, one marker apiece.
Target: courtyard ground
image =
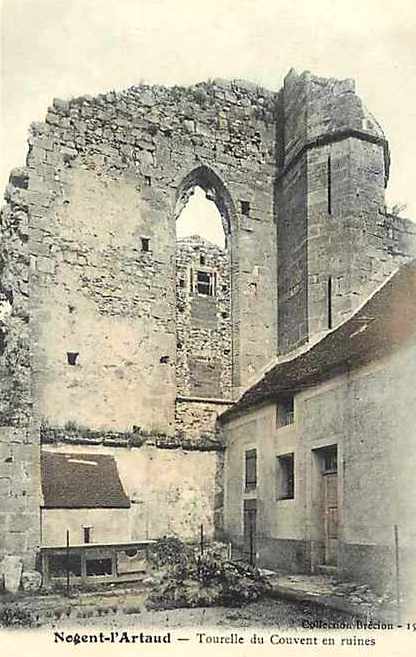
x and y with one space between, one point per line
292 601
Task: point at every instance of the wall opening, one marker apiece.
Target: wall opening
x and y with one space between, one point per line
200 216
207 260
72 357
245 208
285 477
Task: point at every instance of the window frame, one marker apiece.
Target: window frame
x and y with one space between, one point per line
285 476
285 416
250 483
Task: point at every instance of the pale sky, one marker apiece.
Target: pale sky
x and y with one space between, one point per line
64 48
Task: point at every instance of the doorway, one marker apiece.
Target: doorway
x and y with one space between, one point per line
330 504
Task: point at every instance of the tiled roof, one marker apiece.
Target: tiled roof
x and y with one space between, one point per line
81 481
385 322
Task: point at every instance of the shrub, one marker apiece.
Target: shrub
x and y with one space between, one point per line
15 616
194 580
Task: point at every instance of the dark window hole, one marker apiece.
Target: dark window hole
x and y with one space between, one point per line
72 357
99 567
245 208
87 534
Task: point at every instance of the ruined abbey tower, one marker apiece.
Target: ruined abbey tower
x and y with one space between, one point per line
118 339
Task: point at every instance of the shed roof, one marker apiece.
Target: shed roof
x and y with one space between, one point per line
81 481
385 322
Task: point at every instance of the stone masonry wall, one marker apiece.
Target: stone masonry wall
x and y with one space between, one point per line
203 321
204 338
335 244
19 439
114 169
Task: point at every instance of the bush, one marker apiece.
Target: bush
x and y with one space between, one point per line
168 551
15 616
194 580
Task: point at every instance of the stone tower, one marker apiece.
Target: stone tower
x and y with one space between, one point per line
333 167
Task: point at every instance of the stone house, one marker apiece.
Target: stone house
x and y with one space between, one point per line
320 452
119 340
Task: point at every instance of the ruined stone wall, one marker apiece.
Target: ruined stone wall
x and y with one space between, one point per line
19 437
203 320
115 169
204 365
88 258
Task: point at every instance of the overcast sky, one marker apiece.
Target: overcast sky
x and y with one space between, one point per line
64 48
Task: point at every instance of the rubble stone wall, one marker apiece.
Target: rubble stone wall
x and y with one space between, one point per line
19 435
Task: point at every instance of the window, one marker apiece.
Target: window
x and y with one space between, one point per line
87 534
330 459
206 283
145 244
202 260
251 469
72 357
148 181
285 411
96 567
285 477
200 216
245 208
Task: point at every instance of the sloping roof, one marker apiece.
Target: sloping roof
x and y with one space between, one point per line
385 322
81 481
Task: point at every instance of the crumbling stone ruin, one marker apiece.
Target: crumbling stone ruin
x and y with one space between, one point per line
119 339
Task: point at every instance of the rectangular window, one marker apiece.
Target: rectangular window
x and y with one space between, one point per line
87 531
285 467
251 469
245 208
285 411
203 284
145 244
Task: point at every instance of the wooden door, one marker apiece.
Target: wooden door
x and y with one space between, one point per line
330 517
250 521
